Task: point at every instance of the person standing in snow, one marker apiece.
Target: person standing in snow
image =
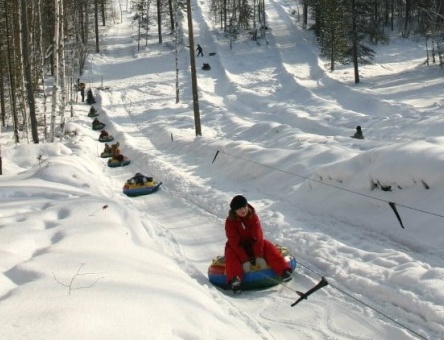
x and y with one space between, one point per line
199 50
81 88
246 246
358 134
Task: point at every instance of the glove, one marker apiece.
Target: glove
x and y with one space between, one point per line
246 266
260 261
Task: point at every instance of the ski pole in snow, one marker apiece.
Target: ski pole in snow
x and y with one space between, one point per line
304 296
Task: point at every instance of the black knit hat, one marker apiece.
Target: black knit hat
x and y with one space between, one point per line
238 202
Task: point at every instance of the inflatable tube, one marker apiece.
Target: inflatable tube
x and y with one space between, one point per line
114 163
256 279
134 190
106 139
98 126
106 154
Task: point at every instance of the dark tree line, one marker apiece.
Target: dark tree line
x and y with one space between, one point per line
346 30
41 40
44 46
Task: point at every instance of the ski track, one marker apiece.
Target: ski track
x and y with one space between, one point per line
203 206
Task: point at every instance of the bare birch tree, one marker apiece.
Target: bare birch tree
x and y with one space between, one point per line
11 68
41 65
62 73
55 68
96 24
21 72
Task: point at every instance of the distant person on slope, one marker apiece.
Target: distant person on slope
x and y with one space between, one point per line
115 150
358 134
246 246
81 88
199 50
103 134
107 148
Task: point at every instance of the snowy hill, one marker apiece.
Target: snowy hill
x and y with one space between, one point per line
80 260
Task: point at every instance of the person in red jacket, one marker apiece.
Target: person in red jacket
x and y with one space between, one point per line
246 245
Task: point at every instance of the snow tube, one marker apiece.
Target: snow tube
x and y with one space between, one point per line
106 139
256 279
139 189
93 114
98 126
114 163
106 154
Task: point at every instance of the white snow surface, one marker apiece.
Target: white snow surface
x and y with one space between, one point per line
80 260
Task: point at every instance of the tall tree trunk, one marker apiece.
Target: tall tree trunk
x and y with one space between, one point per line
27 71
42 67
139 25
355 41
11 68
170 7
147 21
197 125
21 72
176 48
225 17
159 19
103 11
332 47
2 99
407 18
96 24
62 72
55 55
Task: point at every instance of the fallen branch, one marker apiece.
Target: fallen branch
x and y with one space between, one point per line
70 285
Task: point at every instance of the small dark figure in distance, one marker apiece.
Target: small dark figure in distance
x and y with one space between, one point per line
90 98
199 50
103 134
107 148
97 124
81 88
115 148
140 179
92 111
358 134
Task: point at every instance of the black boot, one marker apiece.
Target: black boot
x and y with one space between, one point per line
235 285
286 275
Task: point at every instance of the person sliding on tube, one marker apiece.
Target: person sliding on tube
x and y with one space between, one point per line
246 246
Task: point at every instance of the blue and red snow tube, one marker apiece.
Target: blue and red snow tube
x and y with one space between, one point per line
256 279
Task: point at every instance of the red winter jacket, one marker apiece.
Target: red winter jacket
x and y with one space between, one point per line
245 235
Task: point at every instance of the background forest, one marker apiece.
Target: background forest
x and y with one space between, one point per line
46 43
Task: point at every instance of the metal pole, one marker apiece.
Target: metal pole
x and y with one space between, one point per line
193 72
